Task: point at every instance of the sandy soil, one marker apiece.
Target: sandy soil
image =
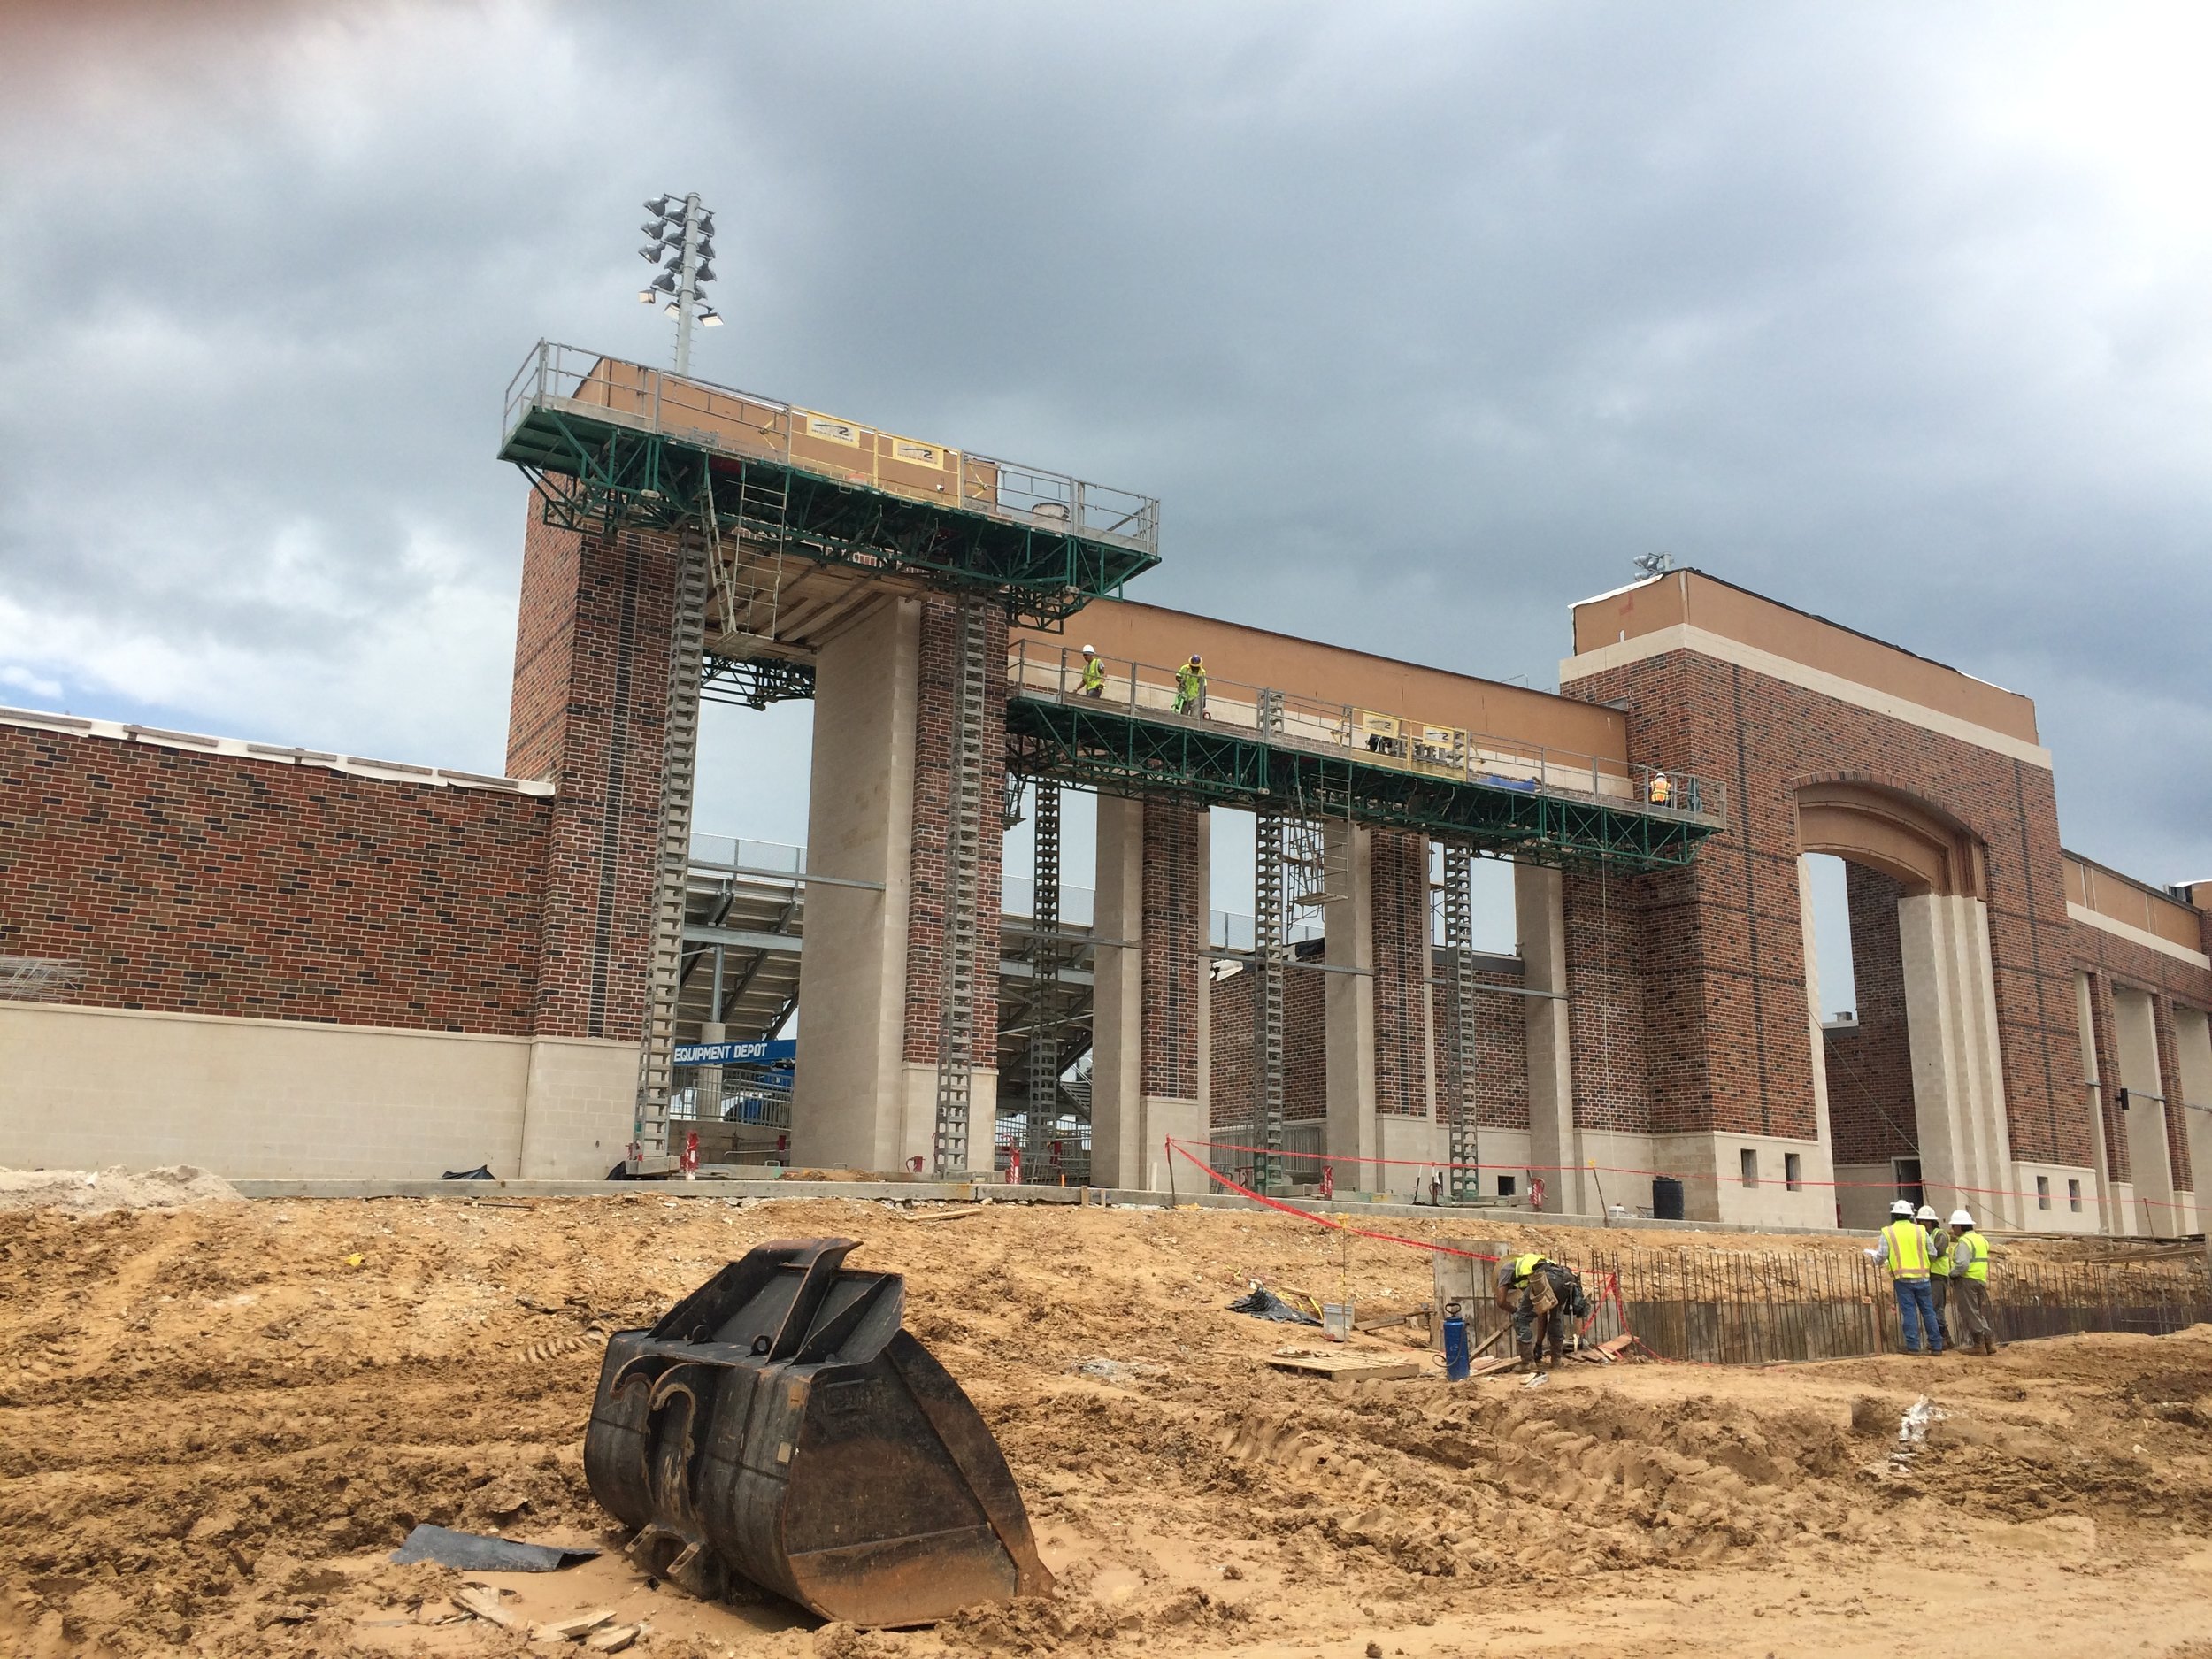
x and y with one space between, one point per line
215 1421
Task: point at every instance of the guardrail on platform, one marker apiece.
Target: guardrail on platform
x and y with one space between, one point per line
1380 737
590 386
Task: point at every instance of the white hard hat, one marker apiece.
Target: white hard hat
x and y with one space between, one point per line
1926 1212
1090 651
1962 1217
1902 1207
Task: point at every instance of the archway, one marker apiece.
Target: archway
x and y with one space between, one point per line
1910 1090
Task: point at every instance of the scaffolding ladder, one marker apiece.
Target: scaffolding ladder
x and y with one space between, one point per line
964 863
679 754
1459 1027
1271 950
1044 984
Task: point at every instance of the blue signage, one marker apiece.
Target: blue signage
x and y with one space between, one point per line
734 1053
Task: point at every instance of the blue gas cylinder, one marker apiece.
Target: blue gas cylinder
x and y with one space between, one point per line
1454 1345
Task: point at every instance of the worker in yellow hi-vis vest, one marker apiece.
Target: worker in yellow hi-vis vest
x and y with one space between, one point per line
1190 687
1904 1251
1969 1284
1093 674
1549 1293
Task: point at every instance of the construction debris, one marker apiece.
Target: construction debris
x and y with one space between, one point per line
1345 1367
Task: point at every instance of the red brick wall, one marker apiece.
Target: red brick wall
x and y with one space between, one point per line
1870 1109
1174 920
1399 880
934 712
1628 1024
216 884
1305 1049
590 709
1724 974
1500 1045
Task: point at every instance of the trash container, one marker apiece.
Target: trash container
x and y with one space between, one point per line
1666 1198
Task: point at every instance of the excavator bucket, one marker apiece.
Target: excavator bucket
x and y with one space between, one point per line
779 1427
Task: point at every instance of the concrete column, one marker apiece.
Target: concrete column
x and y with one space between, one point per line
2109 1210
1348 1000
1539 915
2193 1060
850 1109
1118 993
2150 1169
1825 1158
1958 1080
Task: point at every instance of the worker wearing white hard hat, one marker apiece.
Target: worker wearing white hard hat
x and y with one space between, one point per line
1938 1268
1093 674
1904 1252
1969 1278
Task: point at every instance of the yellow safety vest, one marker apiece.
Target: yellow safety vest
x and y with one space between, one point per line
1939 1253
1977 1269
1524 1265
1093 674
1908 1250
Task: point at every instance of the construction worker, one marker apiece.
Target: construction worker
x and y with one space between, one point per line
1093 674
1970 1274
1662 790
1190 687
1938 1268
1904 1251
1546 1294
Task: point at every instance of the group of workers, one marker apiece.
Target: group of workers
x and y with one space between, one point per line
1190 682
1927 1264
1941 1275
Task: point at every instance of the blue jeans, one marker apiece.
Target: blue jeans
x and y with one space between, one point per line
1915 1313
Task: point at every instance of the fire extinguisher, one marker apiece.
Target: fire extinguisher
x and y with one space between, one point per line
1535 1192
1328 1180
1013 1166
691 1152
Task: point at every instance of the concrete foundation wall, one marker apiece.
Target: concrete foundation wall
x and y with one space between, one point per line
253 1098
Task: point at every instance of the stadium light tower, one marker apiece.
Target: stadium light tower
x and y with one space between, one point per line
683 241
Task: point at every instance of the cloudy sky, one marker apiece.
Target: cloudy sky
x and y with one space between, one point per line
1423 320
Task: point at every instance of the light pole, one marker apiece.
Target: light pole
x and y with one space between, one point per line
683 238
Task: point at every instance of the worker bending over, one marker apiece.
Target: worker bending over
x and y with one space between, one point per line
1969 1283
1904 1251
1190 687
1548 1293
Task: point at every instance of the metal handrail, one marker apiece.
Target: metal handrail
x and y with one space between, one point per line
570 381
1375 736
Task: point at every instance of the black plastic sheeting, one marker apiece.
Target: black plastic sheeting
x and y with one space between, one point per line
1262 1303
480 1552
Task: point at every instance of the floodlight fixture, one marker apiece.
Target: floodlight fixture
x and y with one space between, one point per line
681 245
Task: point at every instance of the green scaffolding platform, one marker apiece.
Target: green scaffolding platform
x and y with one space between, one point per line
1106 747
614 445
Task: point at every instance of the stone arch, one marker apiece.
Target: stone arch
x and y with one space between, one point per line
1914 841
1941 986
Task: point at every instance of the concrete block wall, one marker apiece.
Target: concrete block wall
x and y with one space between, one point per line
1305 1072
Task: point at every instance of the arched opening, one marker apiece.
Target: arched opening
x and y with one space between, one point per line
1908 1080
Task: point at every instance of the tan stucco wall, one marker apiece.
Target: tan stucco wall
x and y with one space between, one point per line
1689 599
278 1099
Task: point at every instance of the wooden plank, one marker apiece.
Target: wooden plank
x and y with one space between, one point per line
1360 1367
475 1598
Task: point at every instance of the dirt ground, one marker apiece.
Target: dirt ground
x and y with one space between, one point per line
215 1421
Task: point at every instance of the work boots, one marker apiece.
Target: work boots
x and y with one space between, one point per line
1987 1345
1527 1351
1556 1347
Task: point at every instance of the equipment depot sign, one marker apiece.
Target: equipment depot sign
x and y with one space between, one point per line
736 1052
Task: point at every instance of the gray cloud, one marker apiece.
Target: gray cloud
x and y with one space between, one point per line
1422 320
